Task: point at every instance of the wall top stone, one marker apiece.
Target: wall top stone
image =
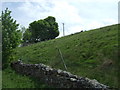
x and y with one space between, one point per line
54 77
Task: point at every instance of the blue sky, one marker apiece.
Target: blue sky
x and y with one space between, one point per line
76 14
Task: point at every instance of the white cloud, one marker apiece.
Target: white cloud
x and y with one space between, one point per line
95 24
62 11
109 21
66 12
76 14
62 0
74 29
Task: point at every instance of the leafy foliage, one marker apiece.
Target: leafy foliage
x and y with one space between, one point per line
42 30
11 36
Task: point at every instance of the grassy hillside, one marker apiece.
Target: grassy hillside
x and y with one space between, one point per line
91 54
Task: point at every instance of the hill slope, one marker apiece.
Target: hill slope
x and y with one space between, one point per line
91 54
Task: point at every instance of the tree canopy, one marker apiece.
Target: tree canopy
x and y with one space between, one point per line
11 36
42 30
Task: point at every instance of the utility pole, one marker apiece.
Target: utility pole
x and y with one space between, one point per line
63 30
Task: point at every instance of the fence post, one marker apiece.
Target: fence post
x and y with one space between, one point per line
62 59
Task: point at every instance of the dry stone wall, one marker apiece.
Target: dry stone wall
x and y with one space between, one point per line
56 78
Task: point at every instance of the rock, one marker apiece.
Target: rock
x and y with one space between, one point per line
48 69
59 71
73 79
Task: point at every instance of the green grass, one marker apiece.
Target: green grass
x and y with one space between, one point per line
91 54
0 79
13 80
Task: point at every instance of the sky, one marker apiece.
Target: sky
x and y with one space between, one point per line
77 15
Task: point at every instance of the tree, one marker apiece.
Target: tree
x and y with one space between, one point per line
42 30
27 36
11 36
0 45
52 26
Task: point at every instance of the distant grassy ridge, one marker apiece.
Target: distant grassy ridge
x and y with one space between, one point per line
92 54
